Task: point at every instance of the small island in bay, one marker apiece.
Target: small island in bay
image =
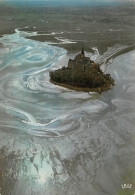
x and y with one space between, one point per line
82 74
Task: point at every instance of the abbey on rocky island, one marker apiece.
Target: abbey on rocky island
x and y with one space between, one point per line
82 74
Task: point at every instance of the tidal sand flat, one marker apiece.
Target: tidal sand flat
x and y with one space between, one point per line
55 140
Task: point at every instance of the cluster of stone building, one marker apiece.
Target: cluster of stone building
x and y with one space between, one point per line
82 63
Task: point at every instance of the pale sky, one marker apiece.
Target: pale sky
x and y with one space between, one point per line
70 1
75 0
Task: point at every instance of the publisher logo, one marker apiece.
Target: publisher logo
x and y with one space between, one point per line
126 186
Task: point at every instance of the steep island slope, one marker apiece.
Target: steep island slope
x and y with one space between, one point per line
82 74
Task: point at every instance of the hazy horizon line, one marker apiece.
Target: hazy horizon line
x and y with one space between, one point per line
62 3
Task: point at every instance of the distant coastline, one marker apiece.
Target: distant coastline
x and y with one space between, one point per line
46 20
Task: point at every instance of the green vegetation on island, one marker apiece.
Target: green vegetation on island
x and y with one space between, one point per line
82 74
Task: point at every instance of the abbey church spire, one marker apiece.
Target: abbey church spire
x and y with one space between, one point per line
82 53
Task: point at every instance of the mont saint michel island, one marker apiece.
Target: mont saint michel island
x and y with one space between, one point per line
82 74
